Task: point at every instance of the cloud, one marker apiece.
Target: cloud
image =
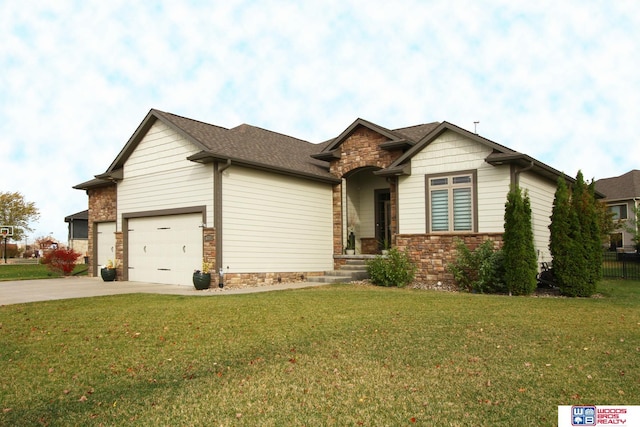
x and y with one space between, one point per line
556 80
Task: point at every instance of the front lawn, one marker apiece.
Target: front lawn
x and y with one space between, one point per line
32 271
335 355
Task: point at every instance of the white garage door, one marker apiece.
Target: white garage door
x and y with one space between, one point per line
165 249
106 242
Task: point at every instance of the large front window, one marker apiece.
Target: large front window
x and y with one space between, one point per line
450 202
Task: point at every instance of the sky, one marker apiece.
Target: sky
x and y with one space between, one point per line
557 80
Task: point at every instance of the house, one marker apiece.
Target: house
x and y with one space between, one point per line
78 236
622 196
264 207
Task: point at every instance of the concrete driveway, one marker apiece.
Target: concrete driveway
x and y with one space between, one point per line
22 291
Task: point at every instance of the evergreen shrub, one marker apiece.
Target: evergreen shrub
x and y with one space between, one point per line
520 257
394 269
480 270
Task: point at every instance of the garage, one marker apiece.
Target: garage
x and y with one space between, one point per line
164 249
105 242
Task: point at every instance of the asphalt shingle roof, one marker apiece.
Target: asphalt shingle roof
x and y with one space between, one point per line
264 147
254 145
626 186
416 133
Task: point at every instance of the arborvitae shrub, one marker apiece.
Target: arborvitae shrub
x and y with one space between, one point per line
575 242
519 251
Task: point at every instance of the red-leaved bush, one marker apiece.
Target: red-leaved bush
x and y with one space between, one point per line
61 260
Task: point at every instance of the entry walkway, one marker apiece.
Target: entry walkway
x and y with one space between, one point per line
22 291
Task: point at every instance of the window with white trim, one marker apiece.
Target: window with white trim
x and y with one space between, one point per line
618 211
451 203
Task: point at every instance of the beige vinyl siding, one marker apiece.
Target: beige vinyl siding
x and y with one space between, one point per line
450 152
493 187
158 176
541 194
275 223
411 204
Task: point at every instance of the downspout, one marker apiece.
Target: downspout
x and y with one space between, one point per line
225 166
517 173
217 215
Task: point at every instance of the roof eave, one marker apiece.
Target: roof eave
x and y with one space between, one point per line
400 170
114 175
327 156
82 215
94 183
525 161
205 157
398 144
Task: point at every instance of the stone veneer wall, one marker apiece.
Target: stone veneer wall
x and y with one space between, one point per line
244 280
360 149
432 253
209 252
369 245
102 207
337 219
119 255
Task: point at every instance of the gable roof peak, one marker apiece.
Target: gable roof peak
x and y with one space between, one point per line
337 141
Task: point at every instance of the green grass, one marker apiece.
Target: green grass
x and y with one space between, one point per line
32 271
337 355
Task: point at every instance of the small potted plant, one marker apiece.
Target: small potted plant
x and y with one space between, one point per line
351 233
351 244
108 272
385 244
202 278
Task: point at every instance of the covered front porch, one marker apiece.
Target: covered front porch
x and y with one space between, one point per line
364 214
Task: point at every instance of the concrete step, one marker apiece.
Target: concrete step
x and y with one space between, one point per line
342 276
356 262
354 267
343 272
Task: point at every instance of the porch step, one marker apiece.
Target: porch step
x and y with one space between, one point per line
353 270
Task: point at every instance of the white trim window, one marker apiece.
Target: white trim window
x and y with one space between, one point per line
451 203
618 211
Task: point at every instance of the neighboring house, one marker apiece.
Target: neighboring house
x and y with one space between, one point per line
622 196
265 207
78 236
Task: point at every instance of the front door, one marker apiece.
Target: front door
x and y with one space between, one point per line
383 217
